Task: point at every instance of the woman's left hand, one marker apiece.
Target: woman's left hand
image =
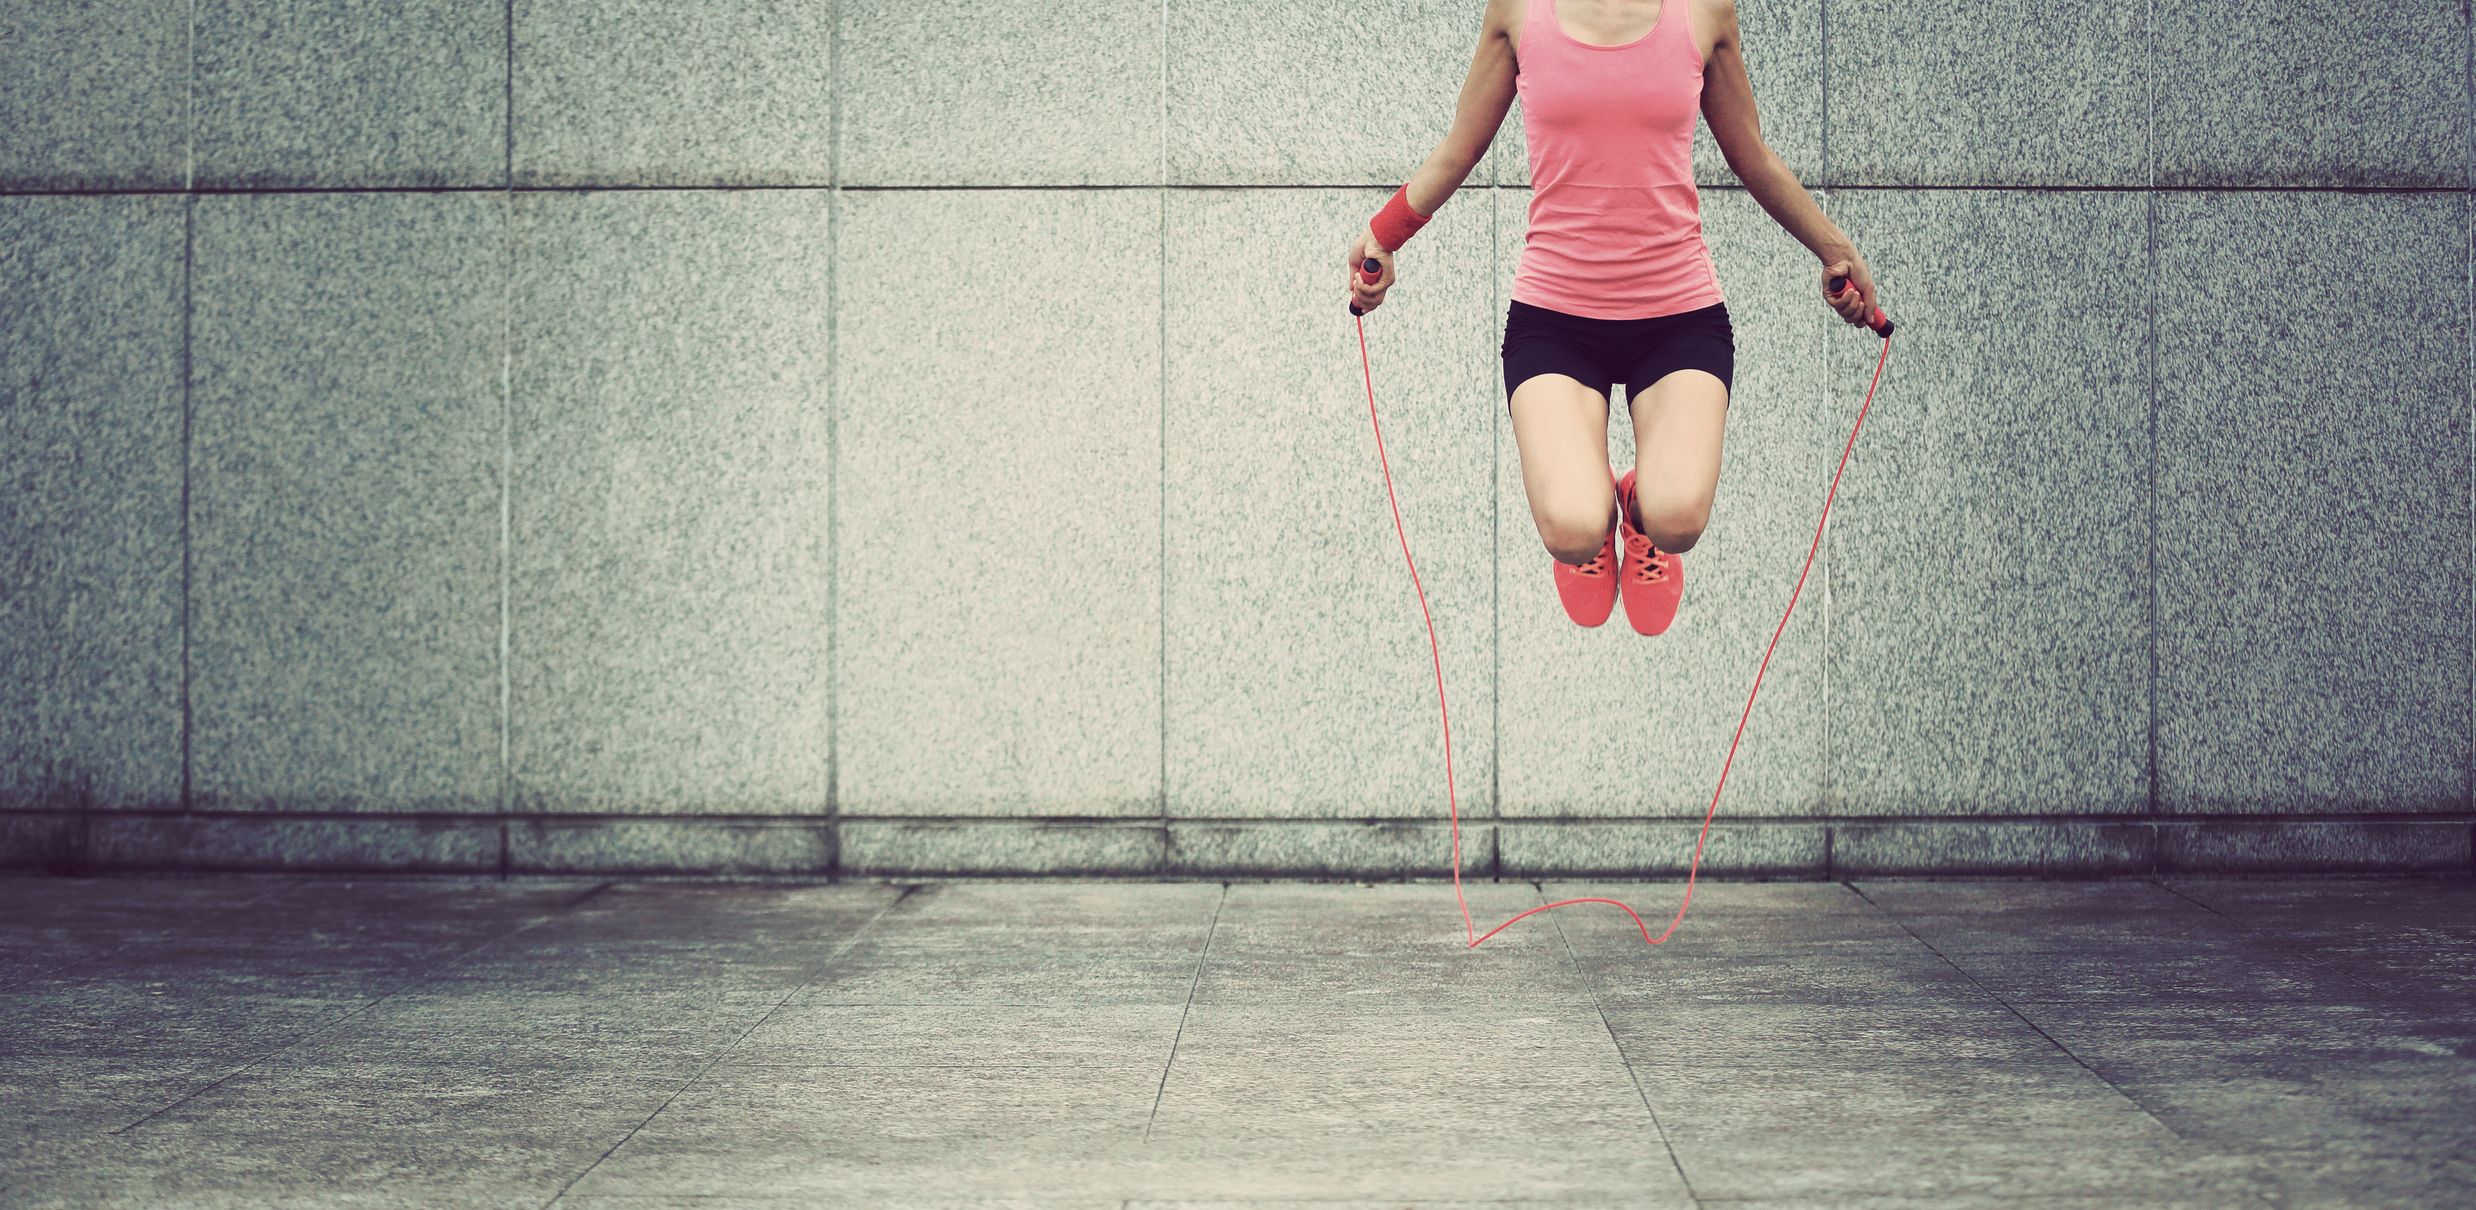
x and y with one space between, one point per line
1856 306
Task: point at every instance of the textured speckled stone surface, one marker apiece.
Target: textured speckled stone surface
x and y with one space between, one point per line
2253 92
1782 48
636 92
1300 678
998 499
669 846
1990 545
240 842
1304 849
2046 847
345 495
90 502
2313 558
1296 92
97 94
2234 846
1663 848
997 92
888 848
351 93
1605 721
668 622
1989 92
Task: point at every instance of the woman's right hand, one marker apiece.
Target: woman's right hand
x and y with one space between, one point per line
1367 296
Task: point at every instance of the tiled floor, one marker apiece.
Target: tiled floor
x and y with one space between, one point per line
331 1042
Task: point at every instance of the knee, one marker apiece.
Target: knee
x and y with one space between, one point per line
1571 533
1675 525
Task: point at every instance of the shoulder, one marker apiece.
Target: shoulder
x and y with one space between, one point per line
1719 15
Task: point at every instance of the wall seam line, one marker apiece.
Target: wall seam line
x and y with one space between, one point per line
189 257
1160 526
833 444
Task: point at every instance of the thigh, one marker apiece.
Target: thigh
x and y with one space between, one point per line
1678 394
1678 426
1560 427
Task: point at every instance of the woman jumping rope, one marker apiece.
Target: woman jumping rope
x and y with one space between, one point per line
1615 283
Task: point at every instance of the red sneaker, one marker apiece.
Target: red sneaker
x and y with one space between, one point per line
1650 579
1589 589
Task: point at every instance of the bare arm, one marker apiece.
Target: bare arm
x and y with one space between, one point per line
1487 92
1728 106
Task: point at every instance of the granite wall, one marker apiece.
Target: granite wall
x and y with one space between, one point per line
883 438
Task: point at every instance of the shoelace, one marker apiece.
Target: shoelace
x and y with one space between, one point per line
1649 565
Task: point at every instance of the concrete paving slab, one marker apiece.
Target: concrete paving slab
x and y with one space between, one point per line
401 1042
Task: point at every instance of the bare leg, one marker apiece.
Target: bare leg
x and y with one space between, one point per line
1561 428
1677 426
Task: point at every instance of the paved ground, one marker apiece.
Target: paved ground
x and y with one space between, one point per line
329 1042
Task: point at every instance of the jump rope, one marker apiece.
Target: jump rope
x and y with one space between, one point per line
1369 271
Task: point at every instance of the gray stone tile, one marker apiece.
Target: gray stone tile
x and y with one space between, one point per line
1782 48
236 842
875 973
90 522
1684 691
1989 583
644 1034
2160 973
97 96
345 493
995 93
810 1034
2058 1164
2048 847
2269 94
1765 1036
1282 93
997 638
1663 849
1967 92
2295 846
643 93
1338 849
1748 902
351 94
1890 978
438 1132
872 1132
2416 1106
667 600
2272 700
1314 693
879 848
1483 1042
669 846
2178 1039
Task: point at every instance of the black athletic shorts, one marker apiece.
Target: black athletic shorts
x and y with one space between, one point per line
1604 352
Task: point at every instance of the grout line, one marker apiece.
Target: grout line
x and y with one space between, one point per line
189 259
2149 210
2015 1011
846 947
1172 1061
1823 86
1592 985
189 118
1161 516
833 445
507 122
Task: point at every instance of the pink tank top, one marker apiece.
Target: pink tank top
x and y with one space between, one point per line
1615 222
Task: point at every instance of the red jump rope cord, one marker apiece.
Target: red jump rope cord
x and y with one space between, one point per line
1452 804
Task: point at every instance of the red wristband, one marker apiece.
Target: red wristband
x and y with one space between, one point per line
1397 222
